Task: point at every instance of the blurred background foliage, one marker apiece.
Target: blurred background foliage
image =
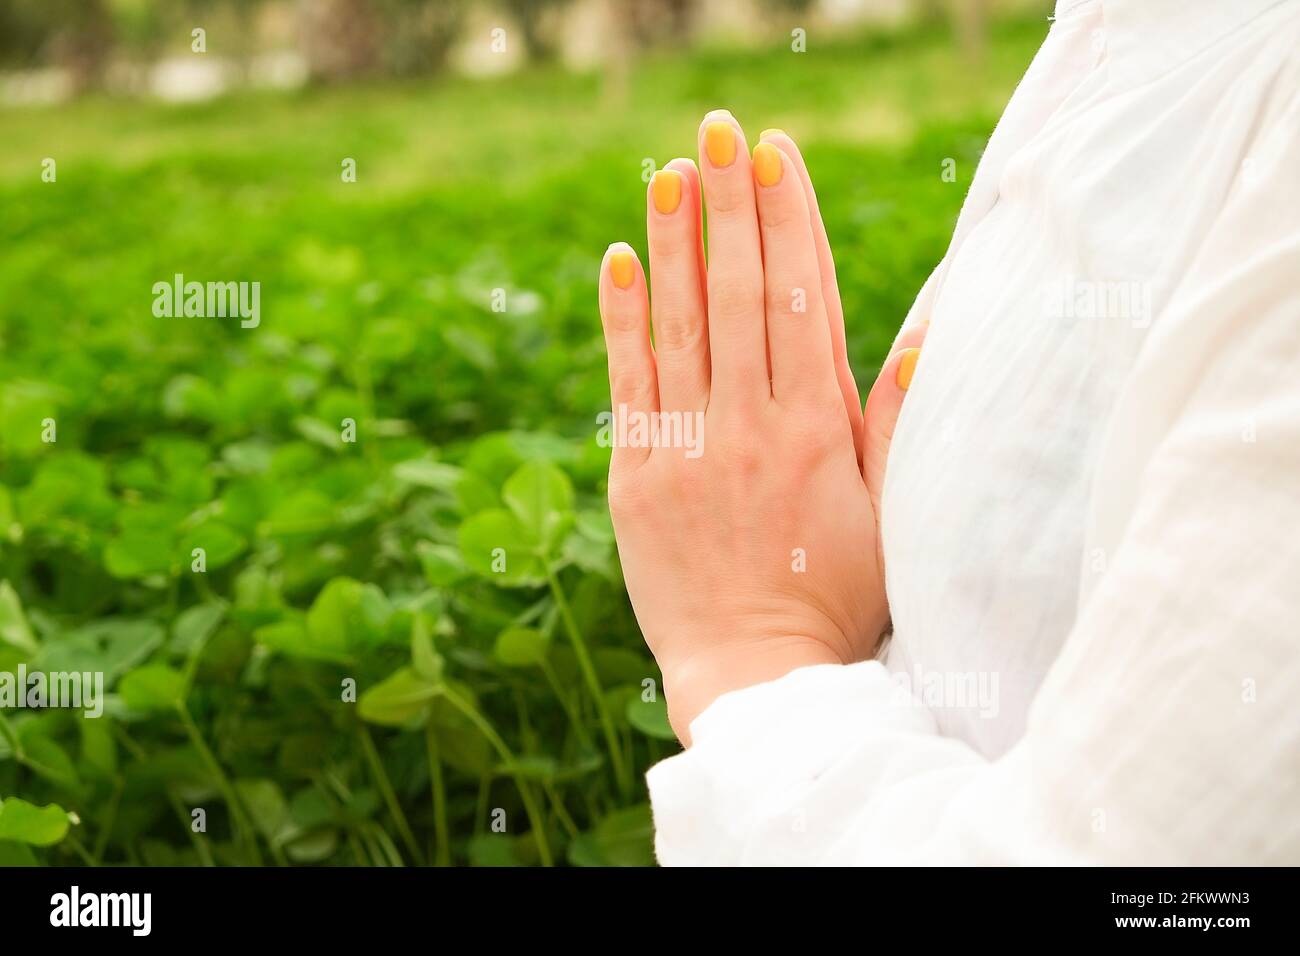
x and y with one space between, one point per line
443 303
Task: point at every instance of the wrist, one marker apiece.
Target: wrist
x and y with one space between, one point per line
694 683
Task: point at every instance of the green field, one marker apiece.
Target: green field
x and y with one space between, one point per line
499 718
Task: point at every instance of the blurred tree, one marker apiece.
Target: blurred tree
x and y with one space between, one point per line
930 11
420 34
663 21
344 39
970 22
244 14
793 6
20 34
76 35
340 38
142 27
636 24
538 24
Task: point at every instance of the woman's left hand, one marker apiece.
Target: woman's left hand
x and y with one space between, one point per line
746 528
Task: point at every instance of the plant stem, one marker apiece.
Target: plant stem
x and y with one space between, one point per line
366 388
12 737
438 792
390 796
593 685
357 851
200 844
141 755
561 813
575 720
204 588
125 740
110 817
80 850
386 845
480 805
375 851
243 823
525 792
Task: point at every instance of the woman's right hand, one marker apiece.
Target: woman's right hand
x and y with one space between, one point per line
873 430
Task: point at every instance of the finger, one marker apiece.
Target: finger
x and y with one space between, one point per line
691 172
830 286
681 334
909 337
885 402
737 339
625 315
798 338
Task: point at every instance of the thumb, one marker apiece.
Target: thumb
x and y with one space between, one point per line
883 405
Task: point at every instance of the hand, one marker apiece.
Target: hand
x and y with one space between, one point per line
745 525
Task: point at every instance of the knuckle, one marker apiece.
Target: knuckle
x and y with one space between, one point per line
777 214
667 247
691 479
627 387
740 456
628 496
729 198
735 297
677 329
819 429
623 322
792 299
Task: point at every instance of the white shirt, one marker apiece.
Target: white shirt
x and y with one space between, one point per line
1091 518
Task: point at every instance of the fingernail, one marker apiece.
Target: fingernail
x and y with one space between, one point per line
907 368
767 164
622 268
771 132
720 143
666 188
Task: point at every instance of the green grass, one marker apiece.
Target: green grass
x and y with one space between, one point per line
514 698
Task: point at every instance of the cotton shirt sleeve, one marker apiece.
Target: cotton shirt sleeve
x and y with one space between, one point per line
1167 729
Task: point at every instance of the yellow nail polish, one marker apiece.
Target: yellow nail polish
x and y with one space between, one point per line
767 164
771 132
720 143
907 368
622 268
666 190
